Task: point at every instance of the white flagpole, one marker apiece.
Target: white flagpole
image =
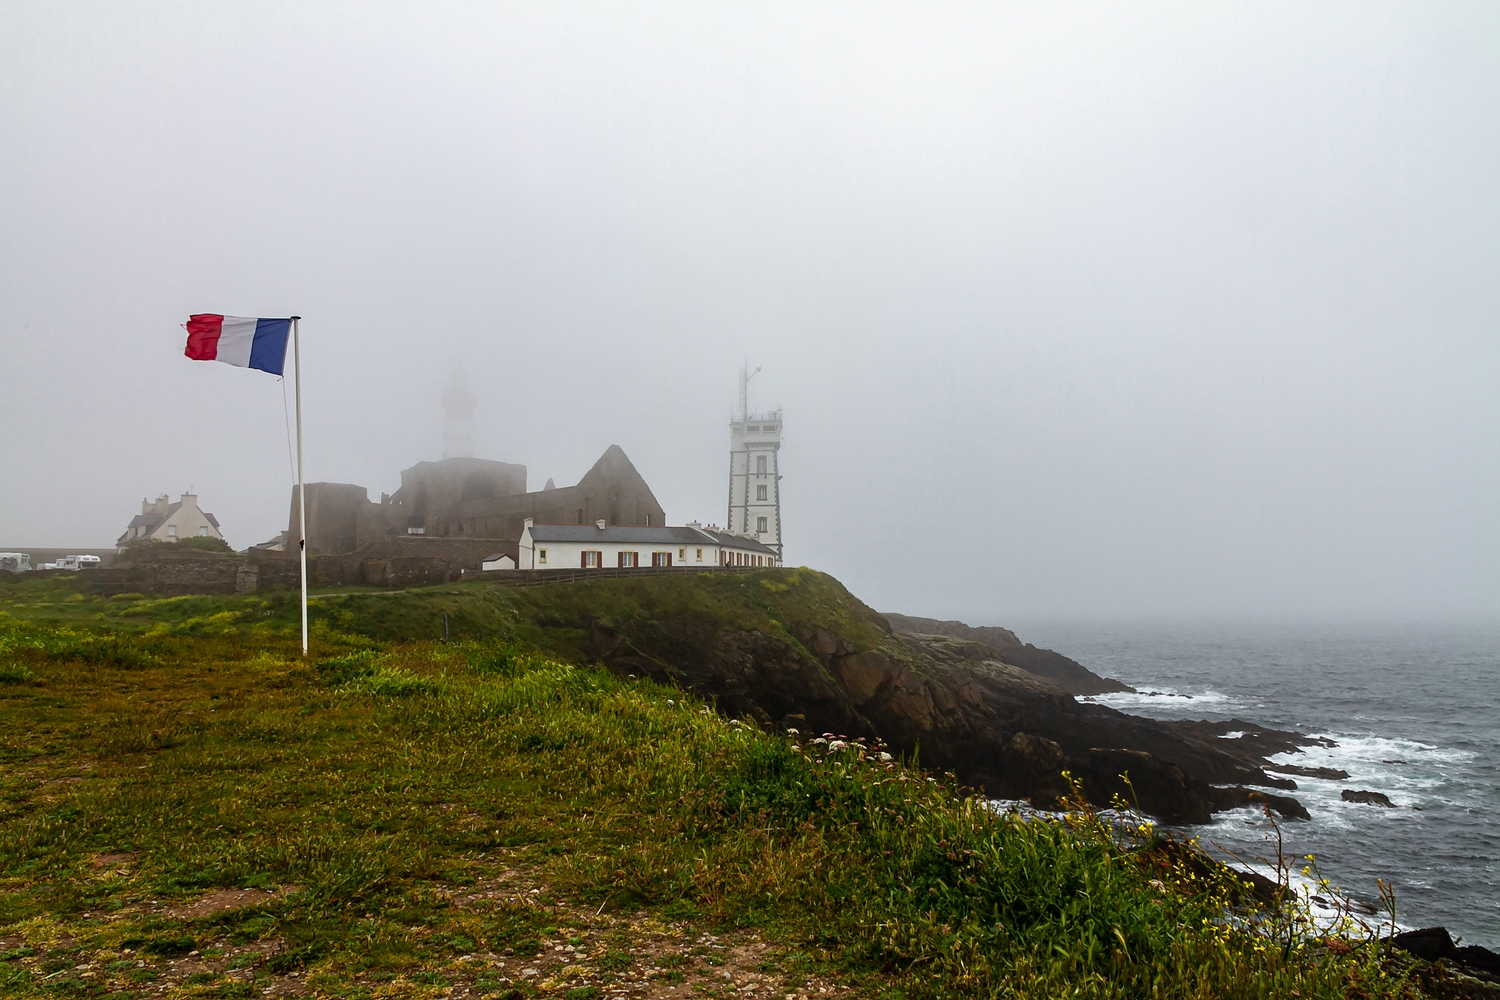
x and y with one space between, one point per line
301 490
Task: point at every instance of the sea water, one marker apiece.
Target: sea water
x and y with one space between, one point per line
1414 709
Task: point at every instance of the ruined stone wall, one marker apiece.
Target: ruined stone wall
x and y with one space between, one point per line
379 521
432 492
333 513
615 491
170 573
399 561
612 490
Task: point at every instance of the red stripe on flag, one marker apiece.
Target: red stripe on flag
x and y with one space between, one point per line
203 336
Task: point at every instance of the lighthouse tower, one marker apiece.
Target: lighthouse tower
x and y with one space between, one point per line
458 417
754 472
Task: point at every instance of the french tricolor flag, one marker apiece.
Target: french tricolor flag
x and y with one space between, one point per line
238 340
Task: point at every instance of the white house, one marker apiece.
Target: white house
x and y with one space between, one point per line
168 522
600 545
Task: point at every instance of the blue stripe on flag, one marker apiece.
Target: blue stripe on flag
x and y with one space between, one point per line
268 352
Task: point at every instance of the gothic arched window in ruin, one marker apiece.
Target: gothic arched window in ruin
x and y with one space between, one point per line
419 507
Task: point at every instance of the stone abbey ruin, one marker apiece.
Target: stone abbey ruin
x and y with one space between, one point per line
469 499
446 517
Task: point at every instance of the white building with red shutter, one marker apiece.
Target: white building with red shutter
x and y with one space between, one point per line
605 546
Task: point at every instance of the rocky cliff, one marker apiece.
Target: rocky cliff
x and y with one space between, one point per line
793 649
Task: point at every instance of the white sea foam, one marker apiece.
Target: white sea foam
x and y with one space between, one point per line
1161 699
1413 775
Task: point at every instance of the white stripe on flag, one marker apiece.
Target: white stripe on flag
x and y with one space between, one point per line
236 339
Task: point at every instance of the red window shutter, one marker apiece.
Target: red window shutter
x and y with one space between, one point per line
583 559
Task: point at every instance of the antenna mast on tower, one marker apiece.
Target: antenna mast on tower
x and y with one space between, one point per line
745 376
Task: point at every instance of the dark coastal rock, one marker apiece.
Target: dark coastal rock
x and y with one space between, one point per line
1038 764
1367 798
1173 796
1326 773
1070 675
1237 797
1435 944
1429 944
1480 960
953 701
1254 742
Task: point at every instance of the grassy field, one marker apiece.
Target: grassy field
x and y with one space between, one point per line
189 809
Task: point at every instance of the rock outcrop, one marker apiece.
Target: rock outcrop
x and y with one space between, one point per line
1070 675
1367 798
1435 944
954 701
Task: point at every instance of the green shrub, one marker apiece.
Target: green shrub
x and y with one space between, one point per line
16 673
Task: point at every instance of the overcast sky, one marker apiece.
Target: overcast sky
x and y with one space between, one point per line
1077 311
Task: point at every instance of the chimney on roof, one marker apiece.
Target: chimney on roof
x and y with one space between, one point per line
601 523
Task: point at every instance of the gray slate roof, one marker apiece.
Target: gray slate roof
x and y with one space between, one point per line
739 542
632 535
618 533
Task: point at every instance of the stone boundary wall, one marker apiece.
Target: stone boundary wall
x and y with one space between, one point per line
398 564
170 574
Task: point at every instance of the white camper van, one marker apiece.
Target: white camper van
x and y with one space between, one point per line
76 563
16 562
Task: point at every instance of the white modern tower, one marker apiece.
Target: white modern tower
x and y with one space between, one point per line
754 472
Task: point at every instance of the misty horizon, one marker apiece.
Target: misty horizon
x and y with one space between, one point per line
1084 312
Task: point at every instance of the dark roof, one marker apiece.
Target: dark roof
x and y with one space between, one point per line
153 518
617 533
149 521
628 534
738 541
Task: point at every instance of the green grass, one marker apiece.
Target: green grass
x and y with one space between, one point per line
154 751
